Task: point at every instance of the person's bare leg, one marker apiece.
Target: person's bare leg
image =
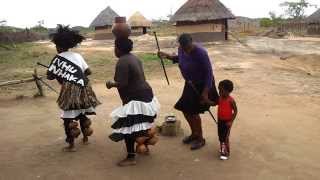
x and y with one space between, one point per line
200 141
83 119
130 159
190 120
197 127
70 138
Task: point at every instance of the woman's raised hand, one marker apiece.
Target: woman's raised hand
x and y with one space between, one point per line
109 84
162 54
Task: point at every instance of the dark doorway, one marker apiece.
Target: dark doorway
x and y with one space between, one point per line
144 31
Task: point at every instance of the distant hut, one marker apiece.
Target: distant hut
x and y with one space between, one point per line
139 24
314 23
102 24
205 20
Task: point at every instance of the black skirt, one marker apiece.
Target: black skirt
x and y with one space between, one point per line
189 101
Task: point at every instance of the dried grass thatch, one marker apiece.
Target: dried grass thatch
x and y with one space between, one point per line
105 18
315 17
138 20
202 10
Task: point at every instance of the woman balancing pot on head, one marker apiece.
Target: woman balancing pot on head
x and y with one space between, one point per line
76 99
199 90
134 120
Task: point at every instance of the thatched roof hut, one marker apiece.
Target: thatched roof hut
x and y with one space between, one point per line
138 20
139 24
105 18
103 24
314 23
315 17
206 20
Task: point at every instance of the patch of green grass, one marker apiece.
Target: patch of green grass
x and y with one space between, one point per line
102 64
151 58
20 62
152 64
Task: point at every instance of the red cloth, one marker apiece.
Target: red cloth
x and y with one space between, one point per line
225 109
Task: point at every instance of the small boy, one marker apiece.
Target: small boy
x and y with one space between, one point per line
227 112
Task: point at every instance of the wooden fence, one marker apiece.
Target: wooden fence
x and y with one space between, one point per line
35 78
301 28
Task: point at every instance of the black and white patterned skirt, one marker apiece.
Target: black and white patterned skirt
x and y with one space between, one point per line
134 118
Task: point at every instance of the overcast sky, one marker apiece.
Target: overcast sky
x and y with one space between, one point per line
26 13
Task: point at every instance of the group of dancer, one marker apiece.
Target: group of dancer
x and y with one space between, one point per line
133 122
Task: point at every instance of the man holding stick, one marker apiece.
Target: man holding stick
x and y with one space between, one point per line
196 68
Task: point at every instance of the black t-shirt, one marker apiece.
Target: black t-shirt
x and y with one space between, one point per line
132 82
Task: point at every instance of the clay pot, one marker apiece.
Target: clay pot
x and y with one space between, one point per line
120 28
73 125
141 149
75 132
153 141
141 140
152 132
88 131
87 123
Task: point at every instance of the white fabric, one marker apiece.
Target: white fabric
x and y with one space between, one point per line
134 128
136 108
75 113
75 58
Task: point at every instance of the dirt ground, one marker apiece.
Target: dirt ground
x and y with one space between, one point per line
275 136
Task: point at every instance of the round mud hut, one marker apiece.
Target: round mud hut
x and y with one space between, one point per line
314 23
205 20
102 24
139 24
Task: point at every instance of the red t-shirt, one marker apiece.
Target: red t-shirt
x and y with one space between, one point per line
225 109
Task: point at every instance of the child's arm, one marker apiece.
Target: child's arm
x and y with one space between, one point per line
235 109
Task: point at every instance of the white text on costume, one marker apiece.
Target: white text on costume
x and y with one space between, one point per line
66 70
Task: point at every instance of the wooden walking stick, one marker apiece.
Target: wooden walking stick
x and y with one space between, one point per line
42 81
197 92
162 62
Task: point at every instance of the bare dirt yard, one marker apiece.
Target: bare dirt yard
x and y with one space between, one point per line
276 135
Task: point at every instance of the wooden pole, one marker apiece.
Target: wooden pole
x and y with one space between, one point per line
226 29
38 83
7 83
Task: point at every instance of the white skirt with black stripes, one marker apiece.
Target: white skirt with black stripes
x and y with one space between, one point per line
134 118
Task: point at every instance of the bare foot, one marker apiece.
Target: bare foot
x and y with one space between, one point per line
85 140
127 162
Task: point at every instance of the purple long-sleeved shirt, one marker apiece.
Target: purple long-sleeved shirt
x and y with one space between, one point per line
196 67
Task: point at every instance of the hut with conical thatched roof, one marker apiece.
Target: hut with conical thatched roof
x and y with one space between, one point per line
205 20
314 23
102 24
315 17
139 24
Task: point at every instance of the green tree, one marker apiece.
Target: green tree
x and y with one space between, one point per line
266 22
273 21
276 20
296 10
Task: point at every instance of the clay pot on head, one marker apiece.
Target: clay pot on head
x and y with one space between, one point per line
88 131
120 28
